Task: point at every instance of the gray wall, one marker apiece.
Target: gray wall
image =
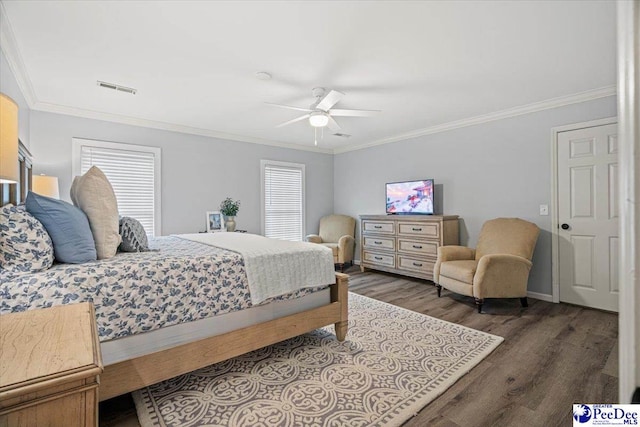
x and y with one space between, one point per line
9 86
500 168
496 169
197 172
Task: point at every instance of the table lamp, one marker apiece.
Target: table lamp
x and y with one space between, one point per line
46 186
9 169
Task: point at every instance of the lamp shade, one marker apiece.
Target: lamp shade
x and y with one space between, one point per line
46 186
9 169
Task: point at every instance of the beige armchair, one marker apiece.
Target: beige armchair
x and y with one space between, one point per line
497 268
337 233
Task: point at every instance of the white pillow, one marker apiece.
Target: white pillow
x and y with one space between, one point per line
93 193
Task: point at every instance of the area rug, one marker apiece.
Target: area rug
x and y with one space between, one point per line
392 364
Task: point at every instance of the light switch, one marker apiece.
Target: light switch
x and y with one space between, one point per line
544 209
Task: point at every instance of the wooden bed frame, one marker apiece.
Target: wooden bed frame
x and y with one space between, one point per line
129 375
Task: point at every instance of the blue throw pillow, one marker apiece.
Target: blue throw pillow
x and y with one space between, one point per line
68 227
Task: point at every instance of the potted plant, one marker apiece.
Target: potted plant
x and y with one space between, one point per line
229 208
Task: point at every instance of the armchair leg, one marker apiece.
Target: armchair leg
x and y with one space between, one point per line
439 288
341 265
523 302
479 303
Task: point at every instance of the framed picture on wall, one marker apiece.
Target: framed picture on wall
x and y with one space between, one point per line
215 222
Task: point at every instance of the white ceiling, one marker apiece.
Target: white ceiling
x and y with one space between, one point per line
427 65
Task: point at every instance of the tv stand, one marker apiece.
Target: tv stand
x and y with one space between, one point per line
405 244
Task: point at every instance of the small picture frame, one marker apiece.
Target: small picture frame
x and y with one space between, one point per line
215 222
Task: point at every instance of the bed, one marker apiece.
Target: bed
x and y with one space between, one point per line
189 303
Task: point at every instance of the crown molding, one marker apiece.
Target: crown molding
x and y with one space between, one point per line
134 121
10 48
575 98
16 64
471 121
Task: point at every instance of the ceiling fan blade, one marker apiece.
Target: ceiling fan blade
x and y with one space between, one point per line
353 113
329 100
297 119
333 125
290 107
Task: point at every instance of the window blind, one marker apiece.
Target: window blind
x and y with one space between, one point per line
132 176
283 201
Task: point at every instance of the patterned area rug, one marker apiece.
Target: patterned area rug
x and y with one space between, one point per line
392 364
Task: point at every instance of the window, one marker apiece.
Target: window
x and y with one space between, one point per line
282 200
134 174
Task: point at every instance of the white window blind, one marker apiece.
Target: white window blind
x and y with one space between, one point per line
133 174
283 195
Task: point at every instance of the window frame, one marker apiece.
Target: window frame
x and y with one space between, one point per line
76 168
300 166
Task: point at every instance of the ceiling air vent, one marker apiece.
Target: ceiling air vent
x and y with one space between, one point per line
343 135
119 88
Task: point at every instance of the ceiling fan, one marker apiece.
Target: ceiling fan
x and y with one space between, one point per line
321 113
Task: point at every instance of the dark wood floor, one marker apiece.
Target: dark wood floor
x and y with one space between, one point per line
553 355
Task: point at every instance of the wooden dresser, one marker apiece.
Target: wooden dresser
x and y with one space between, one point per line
49 367
405 244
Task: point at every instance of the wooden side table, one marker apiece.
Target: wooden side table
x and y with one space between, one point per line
50 364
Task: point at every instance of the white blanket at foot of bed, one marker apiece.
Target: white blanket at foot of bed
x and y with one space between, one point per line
274 267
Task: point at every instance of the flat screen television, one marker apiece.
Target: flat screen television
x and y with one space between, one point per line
410 197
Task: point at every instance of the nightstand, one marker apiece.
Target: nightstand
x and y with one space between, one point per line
50 364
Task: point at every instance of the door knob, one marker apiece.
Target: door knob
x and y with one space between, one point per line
565 226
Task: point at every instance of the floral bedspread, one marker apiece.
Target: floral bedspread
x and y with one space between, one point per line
137 292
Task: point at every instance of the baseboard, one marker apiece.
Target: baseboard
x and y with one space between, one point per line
530 294
541 297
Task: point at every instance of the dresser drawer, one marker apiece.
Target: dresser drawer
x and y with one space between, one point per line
419 229
405 244
380 259
385 227
417 247
386 243
412 264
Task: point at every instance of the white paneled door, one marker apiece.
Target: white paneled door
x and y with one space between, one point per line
588 216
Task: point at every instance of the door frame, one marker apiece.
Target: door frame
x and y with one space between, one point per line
555 238
628 30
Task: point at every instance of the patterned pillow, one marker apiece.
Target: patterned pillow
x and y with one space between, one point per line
134 238
25 244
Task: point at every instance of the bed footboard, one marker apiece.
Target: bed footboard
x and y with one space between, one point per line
129 375
340 293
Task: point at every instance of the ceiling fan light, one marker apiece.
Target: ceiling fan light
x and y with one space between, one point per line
318 120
